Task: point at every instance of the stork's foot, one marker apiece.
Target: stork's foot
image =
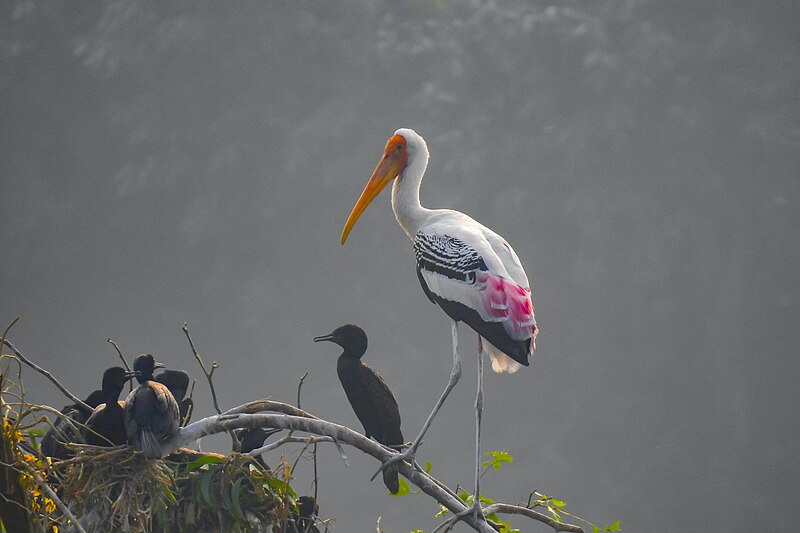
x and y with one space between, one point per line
408 455
476 510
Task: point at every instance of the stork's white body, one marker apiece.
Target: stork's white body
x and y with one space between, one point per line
499 292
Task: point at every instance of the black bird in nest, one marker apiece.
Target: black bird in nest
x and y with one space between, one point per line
369 395
249 439
66 428
177 381
307 511
151 412
106 425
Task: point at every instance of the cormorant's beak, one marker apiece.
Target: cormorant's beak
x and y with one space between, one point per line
159 365
389 167
328 337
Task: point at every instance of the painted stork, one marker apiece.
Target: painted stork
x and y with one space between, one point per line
470 271
151 412
369 395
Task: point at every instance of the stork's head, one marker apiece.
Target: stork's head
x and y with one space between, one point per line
350 337
394 161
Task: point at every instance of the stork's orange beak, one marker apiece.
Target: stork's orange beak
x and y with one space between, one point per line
389 167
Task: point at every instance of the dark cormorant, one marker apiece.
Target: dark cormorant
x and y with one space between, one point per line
370 396
307 511
66 428
106 425
177 381
249 439
151 412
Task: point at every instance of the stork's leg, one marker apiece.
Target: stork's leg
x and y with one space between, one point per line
476 506
475 509
455 374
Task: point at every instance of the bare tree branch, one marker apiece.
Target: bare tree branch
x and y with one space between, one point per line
208 373
47 374
505 508
245 417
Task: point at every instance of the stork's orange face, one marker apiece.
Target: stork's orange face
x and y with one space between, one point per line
389 167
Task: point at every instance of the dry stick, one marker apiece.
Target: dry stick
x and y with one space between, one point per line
314 452
300 386
285 440
124 362
53 496
48 375
530 513
209 375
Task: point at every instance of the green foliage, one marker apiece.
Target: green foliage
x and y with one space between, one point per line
497 460
555 507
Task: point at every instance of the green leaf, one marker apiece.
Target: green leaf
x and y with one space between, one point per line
442 511
612 527
403 488
497 459
557 503
205 489
280 486
236 494
428 467
204 460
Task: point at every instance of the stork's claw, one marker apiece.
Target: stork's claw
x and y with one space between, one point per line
409 455
475 510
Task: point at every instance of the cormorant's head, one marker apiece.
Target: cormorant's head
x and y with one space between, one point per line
350 337
114 380
307 506
144 365
177 381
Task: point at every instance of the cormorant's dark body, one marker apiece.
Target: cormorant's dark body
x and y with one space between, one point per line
151 412
177 381
369 395
307 511
249 439
63 431
106 425
493 332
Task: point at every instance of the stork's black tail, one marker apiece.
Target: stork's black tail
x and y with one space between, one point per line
390 478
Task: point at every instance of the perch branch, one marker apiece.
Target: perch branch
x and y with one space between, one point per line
505 508
222 423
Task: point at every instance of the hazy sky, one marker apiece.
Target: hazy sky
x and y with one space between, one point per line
195 162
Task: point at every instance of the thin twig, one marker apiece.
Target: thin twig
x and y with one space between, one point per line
124 362
53 496
48 375
300 386
209 374
286 439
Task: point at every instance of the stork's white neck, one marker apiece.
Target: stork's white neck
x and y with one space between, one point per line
405 191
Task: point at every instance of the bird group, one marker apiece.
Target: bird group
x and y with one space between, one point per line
149 415
465 268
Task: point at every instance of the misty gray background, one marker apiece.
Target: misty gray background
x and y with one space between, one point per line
195 161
